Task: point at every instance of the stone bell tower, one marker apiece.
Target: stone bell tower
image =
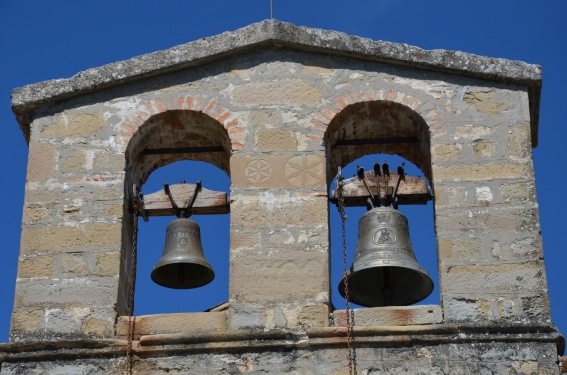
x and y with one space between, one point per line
280 108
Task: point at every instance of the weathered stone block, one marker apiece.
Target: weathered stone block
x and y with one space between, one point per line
72 160
446 152
515 247
484 149
281 92
282 238
34 214
518 192
478 308
77 191
487 220
472 132
493 278
26 320
107 264
279 277
265 117
41 161
241 239
314 316
187 323
73 264
93 326
482 172
36 266
451 196
519 144
89 237
245 315
107 162
68 292
275 210
461 248
75 125
61 322
391 316
275 140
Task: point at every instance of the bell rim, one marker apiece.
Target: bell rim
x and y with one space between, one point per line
209 276
427 287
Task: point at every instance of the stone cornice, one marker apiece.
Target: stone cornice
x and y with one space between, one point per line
252 340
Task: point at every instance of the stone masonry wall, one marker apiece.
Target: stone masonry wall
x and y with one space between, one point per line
274 108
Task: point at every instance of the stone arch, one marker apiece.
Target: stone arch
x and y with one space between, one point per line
176 129
380 127
377 127
165 133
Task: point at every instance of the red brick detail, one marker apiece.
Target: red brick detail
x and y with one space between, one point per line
371 96
150 107
223 117
342 102
351 97
189 102
199 104
159 105
212 108
313 137
327 114
321 127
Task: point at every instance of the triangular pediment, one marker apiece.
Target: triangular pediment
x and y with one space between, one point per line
276 34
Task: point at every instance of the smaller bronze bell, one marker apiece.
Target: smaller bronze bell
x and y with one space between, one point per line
182 264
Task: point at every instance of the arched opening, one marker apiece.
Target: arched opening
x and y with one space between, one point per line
421 230
179 146
152 298
362 134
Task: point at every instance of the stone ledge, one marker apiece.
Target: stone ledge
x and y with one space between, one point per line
391 316
256 340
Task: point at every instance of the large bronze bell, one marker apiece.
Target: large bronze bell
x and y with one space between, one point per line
182 264
385 271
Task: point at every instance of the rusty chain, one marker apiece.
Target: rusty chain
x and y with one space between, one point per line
348 311
131 320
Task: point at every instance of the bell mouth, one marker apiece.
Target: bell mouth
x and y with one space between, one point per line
182 275
387 286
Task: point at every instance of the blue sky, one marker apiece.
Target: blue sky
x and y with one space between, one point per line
47 40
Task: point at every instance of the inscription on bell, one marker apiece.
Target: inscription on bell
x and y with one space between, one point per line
384 236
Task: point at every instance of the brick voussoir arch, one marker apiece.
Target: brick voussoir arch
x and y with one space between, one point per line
322 118
423 112
199 103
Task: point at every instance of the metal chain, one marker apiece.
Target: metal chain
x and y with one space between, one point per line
348 311
131 320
